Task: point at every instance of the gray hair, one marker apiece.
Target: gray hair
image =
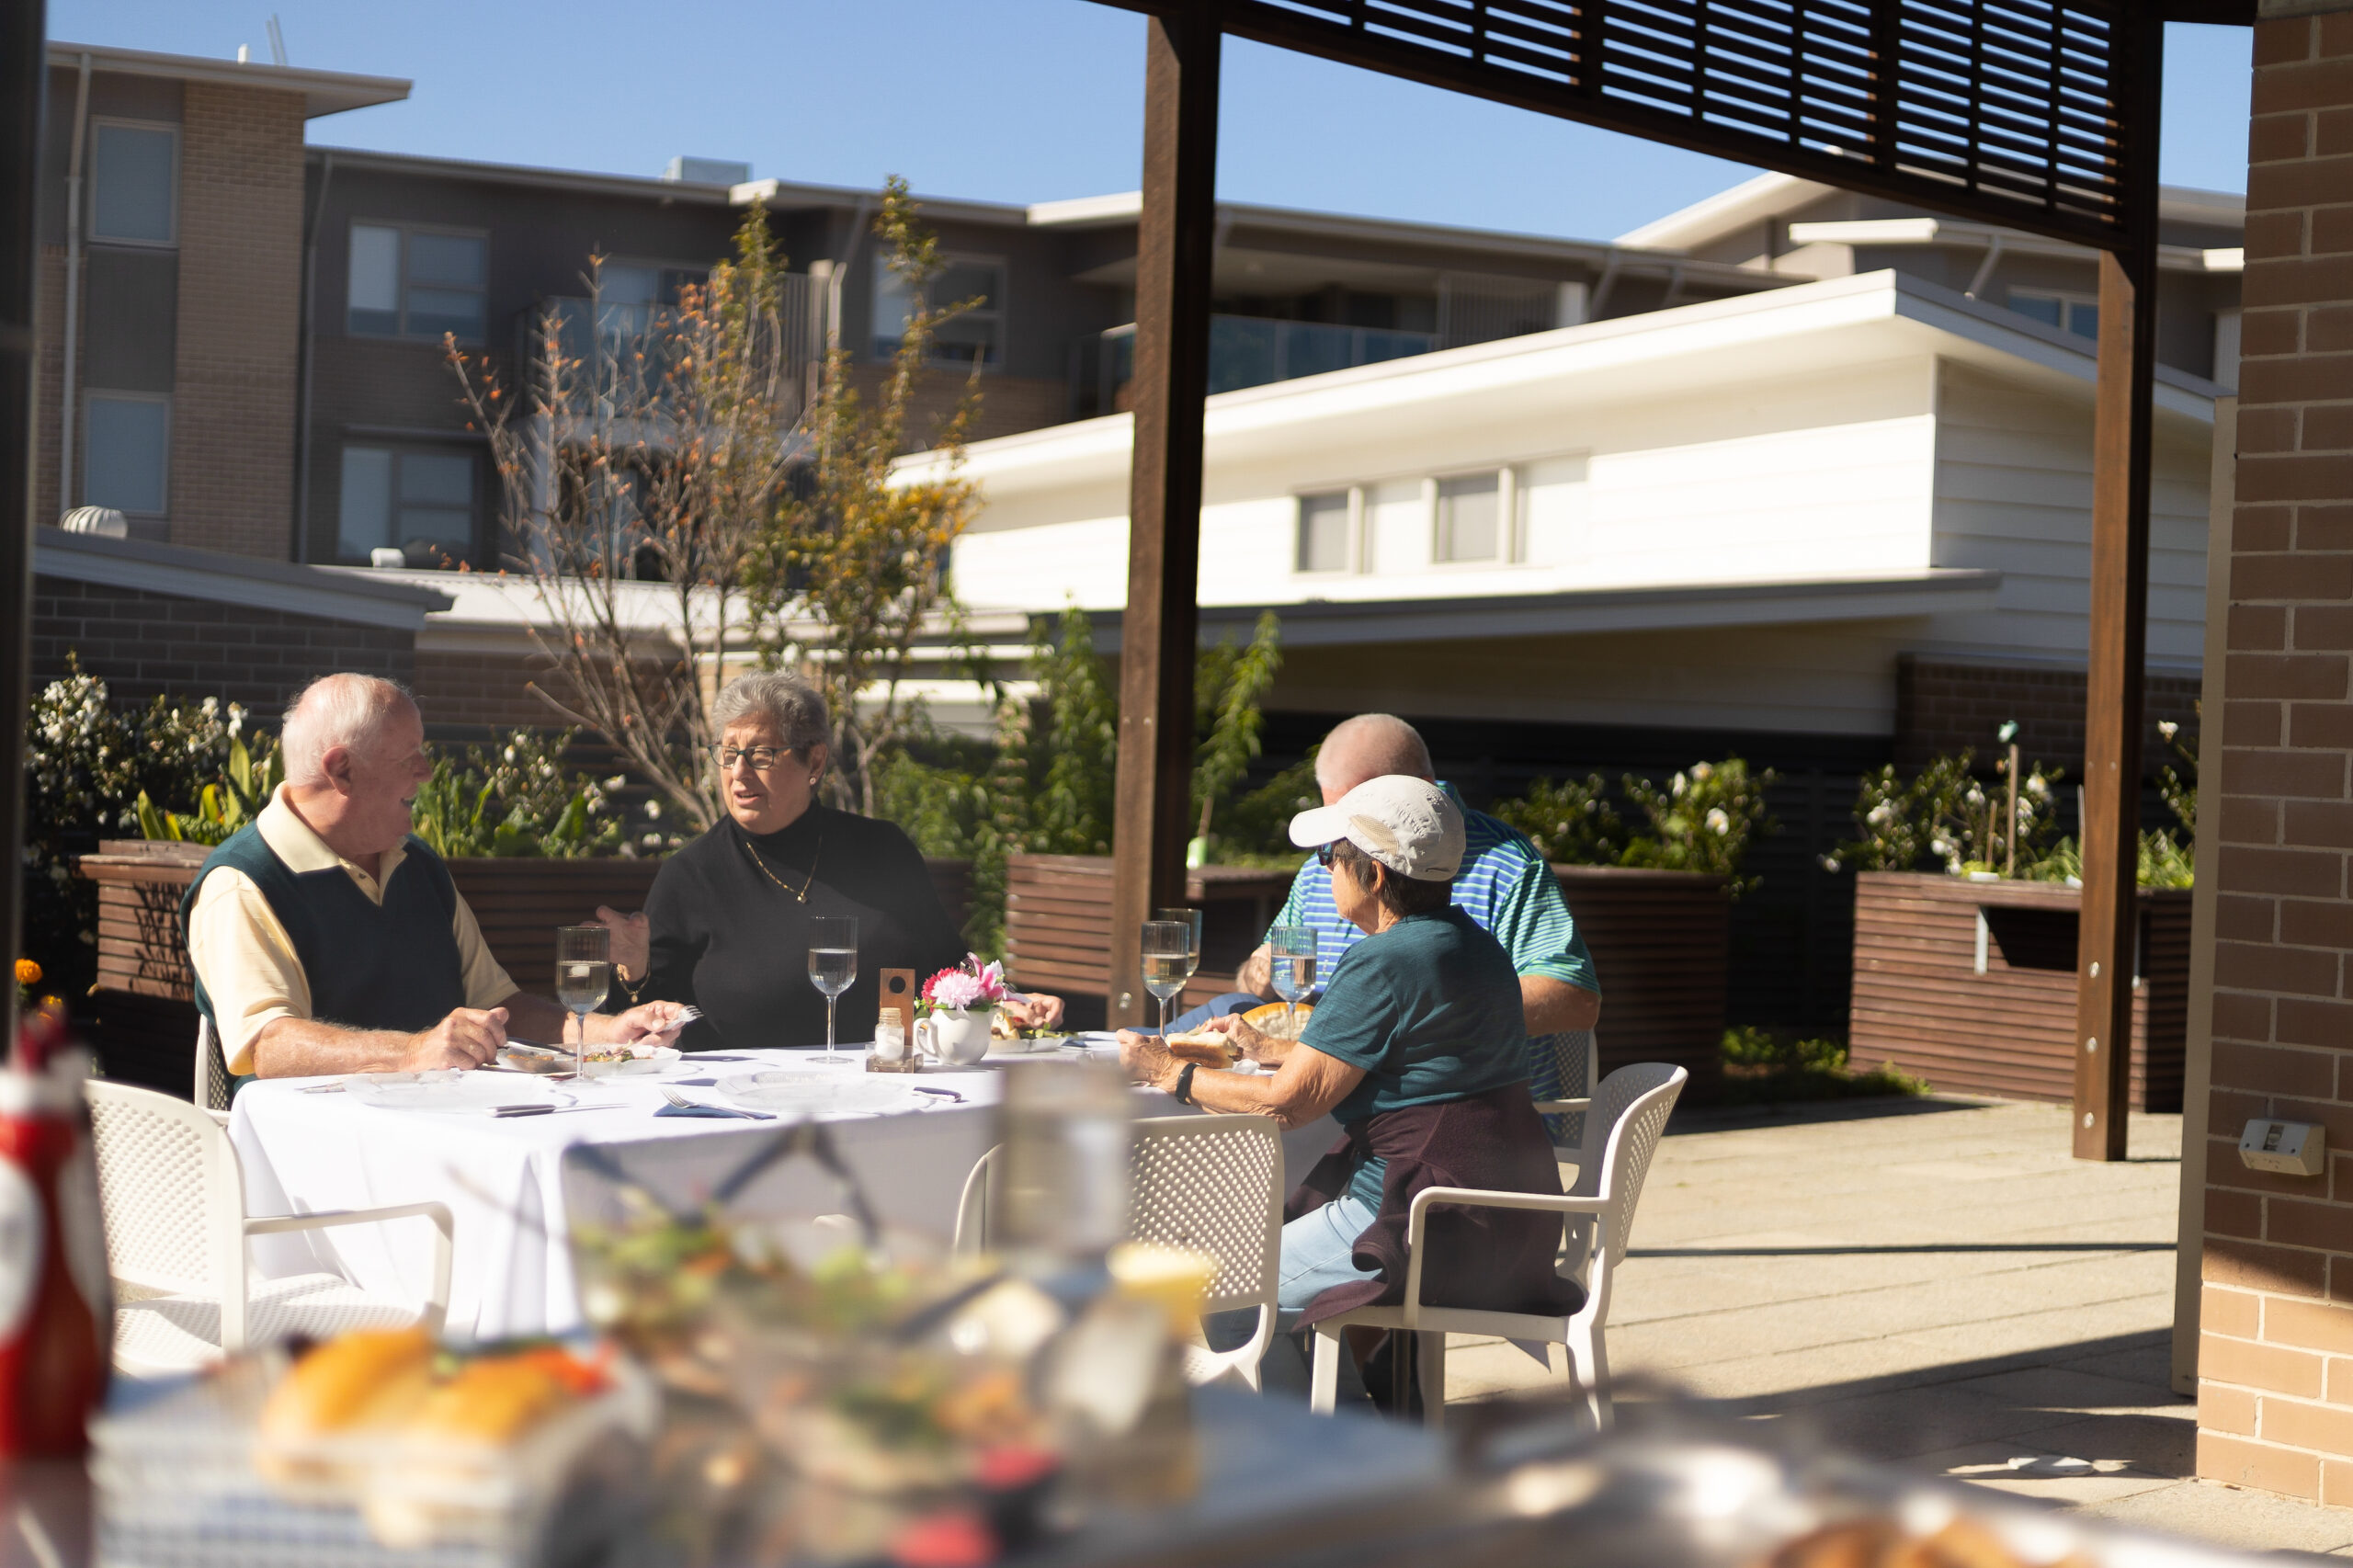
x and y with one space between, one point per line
795 707
1372 745
343 709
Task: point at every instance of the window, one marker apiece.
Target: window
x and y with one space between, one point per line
420 503
977 336
126 446
416 282
2077 313
1324 532
134 183
1470 518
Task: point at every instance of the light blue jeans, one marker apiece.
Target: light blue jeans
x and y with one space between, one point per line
1317 1254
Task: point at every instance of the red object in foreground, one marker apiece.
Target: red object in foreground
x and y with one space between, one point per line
56 1305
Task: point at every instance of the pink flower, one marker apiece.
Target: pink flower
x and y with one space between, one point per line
966 986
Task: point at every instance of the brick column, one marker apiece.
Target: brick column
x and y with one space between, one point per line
2275 1406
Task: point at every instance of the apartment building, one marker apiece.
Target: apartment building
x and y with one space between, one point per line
171 231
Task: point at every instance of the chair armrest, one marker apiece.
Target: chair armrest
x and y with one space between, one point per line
1562 1107
444 1234
220 1117
1418 1218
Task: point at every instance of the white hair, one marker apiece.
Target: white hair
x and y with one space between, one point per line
794 707
342 709
1372 745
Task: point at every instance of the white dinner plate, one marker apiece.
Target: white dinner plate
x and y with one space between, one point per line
791 1092
1035 1046
445 1088
664 1056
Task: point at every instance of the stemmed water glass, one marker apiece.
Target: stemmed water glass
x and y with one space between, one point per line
833 964
583 972
1291 950
1191 920
1168 961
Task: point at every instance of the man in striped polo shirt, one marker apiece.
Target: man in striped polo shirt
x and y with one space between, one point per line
1505 885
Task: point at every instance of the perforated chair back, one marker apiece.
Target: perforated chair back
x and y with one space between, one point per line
211 1085
1633 1103
1564 1086
1214 1184
170 1191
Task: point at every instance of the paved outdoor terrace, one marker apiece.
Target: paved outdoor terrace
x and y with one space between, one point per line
1935 1283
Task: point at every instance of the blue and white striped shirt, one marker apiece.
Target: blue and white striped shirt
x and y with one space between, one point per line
1505 886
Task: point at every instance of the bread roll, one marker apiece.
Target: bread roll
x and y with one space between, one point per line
366 1378
1204 1047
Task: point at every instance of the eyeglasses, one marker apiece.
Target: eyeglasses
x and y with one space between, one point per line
1324 852
759 759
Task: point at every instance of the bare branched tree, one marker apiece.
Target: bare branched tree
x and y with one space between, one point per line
644 469
857 553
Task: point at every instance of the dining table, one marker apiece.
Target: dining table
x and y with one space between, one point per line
309 1145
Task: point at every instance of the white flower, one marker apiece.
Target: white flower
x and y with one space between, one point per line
1680 784
1880 815
2038 784
1718 822
510 754
616 781
1703 770
653 811
2167 728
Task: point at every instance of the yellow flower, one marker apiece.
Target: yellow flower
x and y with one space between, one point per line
28 972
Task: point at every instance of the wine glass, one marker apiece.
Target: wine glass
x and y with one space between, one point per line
583 972
1168 961
833 964
1191 920
1291 950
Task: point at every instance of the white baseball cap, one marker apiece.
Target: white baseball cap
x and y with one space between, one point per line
1406 823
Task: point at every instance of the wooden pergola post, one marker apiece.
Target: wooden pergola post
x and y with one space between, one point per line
2109 931
1173 245
23 78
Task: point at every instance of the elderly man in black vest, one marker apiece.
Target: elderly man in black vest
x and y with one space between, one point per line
327 938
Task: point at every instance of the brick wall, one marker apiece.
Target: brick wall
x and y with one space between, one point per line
2275 1405
150 644
49 385
1944 705
240 303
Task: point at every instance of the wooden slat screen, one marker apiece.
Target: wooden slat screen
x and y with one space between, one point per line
2005 110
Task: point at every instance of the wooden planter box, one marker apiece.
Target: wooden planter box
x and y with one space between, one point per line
145 994
1971 985
1659 939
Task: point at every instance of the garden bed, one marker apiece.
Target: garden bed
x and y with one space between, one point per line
145 997
1971 986
1659 939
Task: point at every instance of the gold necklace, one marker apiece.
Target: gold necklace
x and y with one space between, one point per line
803 895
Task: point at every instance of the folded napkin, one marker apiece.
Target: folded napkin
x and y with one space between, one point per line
668 1109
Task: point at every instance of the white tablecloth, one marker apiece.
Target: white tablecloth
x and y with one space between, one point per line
304 1152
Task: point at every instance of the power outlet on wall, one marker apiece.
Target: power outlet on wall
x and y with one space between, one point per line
2284 1148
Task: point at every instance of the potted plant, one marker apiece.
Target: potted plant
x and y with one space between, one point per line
955 1009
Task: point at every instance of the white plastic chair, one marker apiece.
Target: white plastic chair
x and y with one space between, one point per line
1212 1183
1628 1112
174 1199
212 1087
1576 1056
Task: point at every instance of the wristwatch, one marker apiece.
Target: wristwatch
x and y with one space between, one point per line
1183 1093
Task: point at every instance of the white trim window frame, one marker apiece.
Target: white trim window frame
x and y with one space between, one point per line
884 286
370 259
1342 526
1502 523
101 494
98 198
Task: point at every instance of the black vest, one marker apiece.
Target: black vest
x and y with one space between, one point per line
370 966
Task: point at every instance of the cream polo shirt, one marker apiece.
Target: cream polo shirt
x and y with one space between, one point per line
247 963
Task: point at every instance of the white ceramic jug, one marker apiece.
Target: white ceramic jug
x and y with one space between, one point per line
953 1037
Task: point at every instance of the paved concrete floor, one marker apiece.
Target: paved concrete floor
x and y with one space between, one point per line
1932 1282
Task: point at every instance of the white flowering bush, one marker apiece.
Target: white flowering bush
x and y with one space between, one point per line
517 799
1945 816
88 763
1571 824
1702 820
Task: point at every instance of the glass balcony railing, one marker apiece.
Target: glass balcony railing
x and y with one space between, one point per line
1244 351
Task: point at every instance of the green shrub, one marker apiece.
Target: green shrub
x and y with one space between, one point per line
1570 823
1771 1065
517 799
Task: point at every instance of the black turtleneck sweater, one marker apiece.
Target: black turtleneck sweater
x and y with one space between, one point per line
729 939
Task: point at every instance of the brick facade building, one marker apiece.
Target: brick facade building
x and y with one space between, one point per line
2276 1359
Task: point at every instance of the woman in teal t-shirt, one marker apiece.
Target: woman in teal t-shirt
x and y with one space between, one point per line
1419 1052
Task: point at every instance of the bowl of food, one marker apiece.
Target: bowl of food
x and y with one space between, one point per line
519 1056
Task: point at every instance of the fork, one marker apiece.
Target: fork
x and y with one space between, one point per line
683 1103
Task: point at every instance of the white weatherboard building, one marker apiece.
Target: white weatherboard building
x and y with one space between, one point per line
1728 516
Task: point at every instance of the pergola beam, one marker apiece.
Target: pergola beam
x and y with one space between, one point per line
23 81
1174 244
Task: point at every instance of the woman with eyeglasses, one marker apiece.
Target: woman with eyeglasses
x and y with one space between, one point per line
728 920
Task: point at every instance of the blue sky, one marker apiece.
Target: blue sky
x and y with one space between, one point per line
1014 100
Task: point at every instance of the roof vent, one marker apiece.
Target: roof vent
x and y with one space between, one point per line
103 521
708 171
